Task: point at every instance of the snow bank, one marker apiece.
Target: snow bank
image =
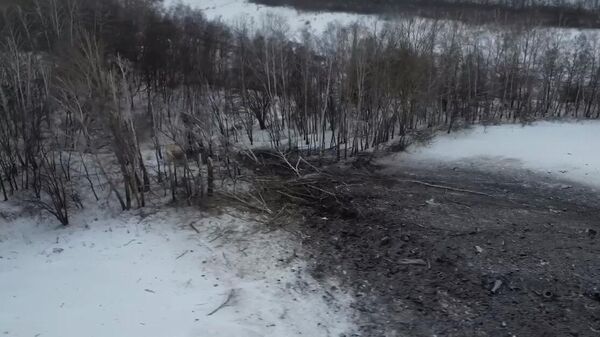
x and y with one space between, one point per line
152 274
559 150
231 11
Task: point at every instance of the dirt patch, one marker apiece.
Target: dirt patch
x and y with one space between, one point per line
493 255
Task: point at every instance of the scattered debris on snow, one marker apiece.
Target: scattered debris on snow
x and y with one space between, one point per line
156 275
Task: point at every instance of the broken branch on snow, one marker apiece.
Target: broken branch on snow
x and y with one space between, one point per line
224 304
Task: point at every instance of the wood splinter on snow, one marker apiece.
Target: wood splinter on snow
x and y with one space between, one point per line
129 242
194 228
417 262
497 285
443 187
224 304
182 254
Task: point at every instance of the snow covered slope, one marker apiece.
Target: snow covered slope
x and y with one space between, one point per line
152 275
231 11
559 150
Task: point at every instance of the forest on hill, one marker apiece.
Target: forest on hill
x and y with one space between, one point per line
122 95
287 174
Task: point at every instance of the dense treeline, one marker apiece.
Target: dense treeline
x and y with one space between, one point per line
552 13
374 6
126 97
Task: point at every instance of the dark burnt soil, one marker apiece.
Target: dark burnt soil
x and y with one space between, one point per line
519 258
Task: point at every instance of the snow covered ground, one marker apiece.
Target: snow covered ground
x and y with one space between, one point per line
150 273
231 11
568 151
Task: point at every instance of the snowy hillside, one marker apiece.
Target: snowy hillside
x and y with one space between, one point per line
157 274
231 11
558 150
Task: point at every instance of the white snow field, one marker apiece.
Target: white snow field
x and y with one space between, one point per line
231 11
563 150
152 275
